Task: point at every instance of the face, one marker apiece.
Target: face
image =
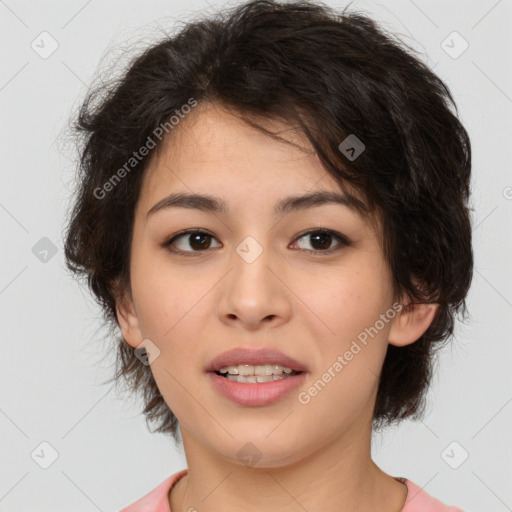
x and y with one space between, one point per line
306 293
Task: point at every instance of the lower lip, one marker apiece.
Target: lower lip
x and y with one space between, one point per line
258 393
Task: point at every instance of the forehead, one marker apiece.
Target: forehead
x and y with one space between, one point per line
215 161
215 147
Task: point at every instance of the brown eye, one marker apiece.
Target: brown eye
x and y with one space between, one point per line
190 241
194 241
321 241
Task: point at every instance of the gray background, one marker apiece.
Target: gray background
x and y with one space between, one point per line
53 361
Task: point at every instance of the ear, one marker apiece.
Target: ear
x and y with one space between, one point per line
128 319
410 323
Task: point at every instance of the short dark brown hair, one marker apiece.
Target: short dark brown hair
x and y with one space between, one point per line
332 74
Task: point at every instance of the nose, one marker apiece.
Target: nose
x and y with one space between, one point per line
255 294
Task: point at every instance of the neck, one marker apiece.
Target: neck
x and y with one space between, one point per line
338 475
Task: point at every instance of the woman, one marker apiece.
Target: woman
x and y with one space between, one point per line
273 212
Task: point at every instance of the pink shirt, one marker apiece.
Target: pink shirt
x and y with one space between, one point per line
157 499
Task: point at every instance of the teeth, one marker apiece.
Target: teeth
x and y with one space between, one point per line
252 379
256 370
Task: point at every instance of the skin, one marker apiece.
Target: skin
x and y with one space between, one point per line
310 306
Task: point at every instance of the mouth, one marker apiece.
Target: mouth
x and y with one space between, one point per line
255 361
253 374
256 390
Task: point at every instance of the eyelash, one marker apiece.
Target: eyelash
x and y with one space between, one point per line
343 241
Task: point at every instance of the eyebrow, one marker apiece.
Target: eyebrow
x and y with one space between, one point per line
207 203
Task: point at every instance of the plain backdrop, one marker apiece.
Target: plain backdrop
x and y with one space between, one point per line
53 364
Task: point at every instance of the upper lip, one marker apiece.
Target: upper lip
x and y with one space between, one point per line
254 356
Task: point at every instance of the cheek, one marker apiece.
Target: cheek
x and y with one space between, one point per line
348 301
171 310
172 303
163 293
351 354
354 346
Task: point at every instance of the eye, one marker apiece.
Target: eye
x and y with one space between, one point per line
200 241
196 239
323 238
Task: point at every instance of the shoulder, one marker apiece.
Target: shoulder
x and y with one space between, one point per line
419 500
156 500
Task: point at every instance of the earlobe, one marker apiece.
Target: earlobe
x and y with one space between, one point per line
128 321
411 323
